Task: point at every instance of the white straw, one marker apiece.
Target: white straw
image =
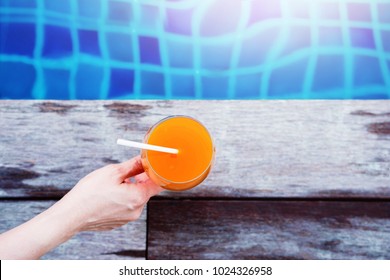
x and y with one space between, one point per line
133 144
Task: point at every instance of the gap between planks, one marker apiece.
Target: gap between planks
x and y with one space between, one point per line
212 198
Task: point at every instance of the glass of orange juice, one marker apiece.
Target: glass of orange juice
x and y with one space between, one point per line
191 165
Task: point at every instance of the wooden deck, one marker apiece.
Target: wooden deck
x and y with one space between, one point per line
291 180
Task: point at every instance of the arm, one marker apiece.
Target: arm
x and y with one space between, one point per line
103 200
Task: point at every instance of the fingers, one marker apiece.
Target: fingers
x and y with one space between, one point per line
146 184
130 168
141 178
143 187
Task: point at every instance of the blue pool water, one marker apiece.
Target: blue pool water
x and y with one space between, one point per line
194 49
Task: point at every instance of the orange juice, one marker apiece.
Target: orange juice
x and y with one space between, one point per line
191 165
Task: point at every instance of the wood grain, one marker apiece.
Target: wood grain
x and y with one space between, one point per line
264 148
187 229
127 242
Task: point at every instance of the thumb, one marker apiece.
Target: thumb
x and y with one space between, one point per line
131 168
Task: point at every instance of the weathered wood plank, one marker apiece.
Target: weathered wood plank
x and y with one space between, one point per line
186 229
127 242
264 148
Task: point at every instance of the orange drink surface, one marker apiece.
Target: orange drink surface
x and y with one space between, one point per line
191 165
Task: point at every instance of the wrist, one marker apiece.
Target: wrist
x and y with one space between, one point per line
53 227
64 218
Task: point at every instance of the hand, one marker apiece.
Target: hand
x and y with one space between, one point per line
106 198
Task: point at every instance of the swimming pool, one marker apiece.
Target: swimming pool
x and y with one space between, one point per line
209 49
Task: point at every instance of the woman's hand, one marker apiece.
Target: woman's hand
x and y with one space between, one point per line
105 199
111 196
